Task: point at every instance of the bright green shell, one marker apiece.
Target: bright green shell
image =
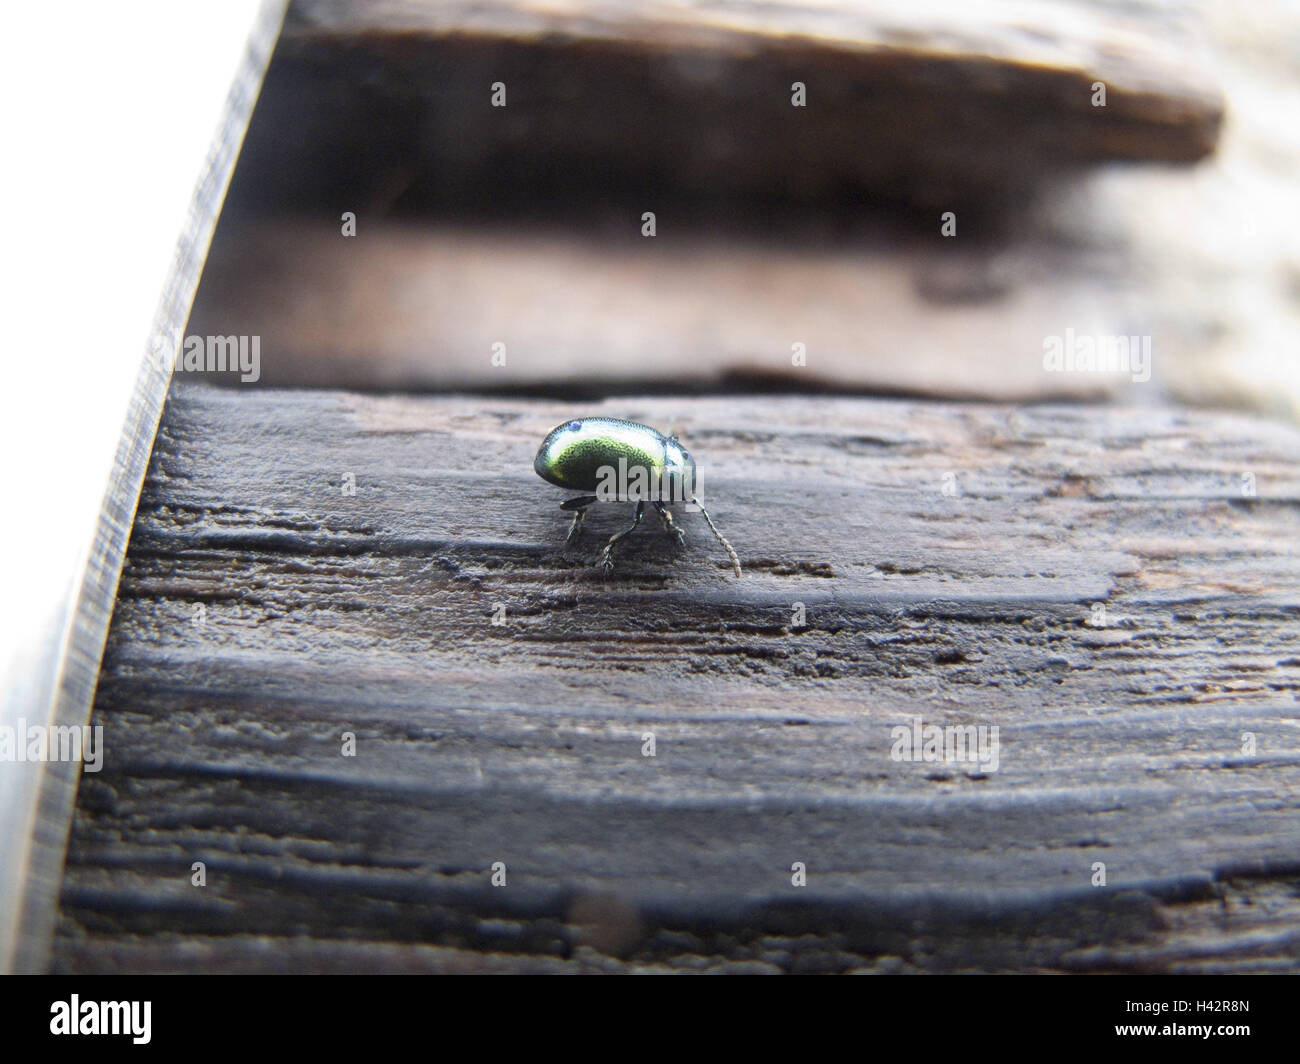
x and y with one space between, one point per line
573 453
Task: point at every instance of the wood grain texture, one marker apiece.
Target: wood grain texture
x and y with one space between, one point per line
324 613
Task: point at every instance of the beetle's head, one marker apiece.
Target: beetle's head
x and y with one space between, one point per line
679 471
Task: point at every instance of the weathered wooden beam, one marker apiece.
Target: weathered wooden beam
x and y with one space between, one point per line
1100 584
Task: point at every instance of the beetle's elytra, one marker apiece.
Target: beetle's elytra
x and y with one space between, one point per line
621 460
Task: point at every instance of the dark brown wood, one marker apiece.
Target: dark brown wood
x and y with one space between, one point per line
370 105
950 559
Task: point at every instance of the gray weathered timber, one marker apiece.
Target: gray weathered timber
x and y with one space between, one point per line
1092 581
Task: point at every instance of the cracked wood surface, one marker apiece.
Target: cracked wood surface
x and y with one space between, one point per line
1093 581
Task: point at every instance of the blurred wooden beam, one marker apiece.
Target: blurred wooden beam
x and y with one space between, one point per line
370 104
421 306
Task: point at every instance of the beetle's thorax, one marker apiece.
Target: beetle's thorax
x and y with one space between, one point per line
678 479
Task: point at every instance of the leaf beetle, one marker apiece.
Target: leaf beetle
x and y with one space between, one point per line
625 461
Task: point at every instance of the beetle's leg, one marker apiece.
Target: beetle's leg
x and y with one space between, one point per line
607 555
666 516
735 558
578 504
578 515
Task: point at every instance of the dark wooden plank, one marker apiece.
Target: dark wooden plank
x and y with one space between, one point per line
372 613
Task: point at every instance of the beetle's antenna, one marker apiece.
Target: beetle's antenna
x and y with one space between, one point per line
735 558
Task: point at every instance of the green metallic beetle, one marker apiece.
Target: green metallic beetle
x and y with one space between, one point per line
621 461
